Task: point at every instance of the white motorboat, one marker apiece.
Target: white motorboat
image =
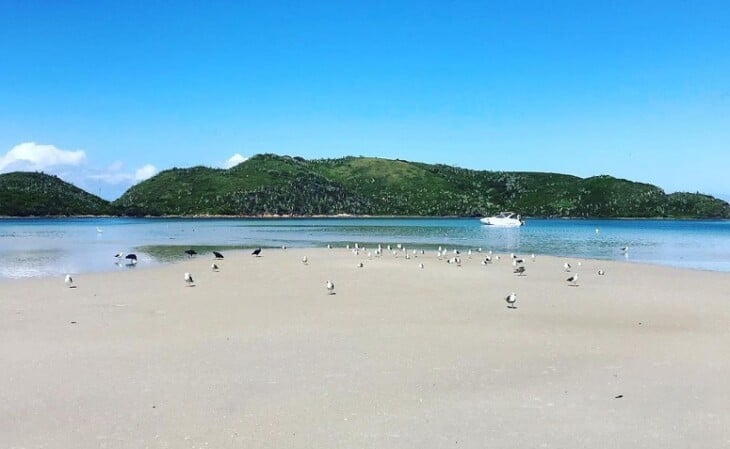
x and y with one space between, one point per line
503 219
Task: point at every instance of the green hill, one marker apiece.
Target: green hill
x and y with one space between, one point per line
271 184
25 194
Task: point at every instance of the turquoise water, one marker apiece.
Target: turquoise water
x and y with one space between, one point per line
49 247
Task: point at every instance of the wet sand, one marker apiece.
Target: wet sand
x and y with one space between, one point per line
259 355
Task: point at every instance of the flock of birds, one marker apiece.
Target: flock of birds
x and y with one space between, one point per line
453 257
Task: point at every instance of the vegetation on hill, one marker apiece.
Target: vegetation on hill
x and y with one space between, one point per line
270 184
280 185
25 194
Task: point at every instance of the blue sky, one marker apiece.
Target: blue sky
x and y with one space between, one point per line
107 93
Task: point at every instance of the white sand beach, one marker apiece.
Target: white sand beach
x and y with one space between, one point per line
259 355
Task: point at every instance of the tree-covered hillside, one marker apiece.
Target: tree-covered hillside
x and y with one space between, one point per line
25 194
281 185
271 184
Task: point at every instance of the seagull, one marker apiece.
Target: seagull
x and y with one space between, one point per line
69 281
189 279
520 271
625 249
283 246
573 279
217 255
214 267
601 272
329 246
330 288
567 266
132 258
420 265
119 255
360 265
519 261
190 252
304 260
511 300
533 257
256 252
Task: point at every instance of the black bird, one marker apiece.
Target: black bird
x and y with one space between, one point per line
190 252
217 255
256 252
520 271
132 258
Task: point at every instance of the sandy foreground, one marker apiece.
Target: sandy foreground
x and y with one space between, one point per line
259 355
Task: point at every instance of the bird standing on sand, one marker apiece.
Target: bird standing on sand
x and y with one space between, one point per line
69 281
420 265
217 255
520 271
533 257
360 265
214 267
573 279
567 266
330 288
304 260
511 300
132 258
601 272
189 279
256 252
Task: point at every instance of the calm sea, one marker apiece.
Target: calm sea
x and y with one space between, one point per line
49 247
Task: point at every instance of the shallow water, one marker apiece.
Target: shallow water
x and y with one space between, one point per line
49 247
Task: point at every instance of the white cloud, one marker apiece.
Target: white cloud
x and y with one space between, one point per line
114 174
145 172
32 156
233 161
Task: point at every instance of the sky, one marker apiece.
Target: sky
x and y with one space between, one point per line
105 94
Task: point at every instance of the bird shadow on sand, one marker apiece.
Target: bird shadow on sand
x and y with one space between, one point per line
73 286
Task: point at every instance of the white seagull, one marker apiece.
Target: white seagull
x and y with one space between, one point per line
189 279
511 300
567 266
214 267
304 260
601 272
69 281
420 265
330 288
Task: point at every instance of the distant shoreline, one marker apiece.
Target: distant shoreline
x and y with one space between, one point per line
343 216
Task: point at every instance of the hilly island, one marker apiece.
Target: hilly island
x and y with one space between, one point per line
269 184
